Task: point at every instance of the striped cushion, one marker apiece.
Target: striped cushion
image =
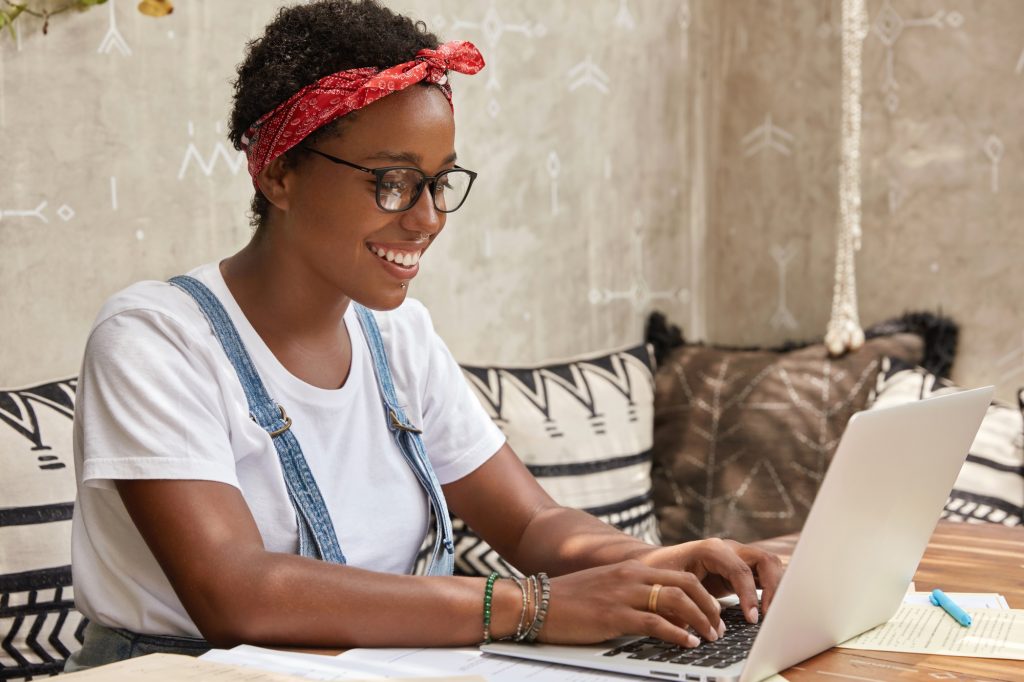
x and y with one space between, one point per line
990 487
583 427
39 626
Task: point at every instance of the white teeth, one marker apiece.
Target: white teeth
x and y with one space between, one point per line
406 258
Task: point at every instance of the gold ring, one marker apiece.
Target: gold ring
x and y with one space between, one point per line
652 600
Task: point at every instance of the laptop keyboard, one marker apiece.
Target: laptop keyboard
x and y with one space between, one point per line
731 648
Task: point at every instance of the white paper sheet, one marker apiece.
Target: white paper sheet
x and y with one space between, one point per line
308 666
468 661
459 664
994 633
317 667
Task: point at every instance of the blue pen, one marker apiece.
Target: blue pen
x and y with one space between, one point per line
940 598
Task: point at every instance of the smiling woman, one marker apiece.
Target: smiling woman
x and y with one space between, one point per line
327 220
263 444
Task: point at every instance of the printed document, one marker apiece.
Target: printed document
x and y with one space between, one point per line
919 629
317 667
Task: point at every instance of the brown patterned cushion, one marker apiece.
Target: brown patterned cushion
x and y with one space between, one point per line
743 438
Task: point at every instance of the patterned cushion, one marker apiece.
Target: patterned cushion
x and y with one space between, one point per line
742 438
583 428
990 486
39 626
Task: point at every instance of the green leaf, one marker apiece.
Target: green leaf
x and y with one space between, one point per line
5 20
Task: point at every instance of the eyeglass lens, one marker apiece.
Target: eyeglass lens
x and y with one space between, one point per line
397 189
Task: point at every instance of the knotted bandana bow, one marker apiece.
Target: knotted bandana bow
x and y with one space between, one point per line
335 95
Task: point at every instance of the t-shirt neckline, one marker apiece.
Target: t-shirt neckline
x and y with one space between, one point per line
267 362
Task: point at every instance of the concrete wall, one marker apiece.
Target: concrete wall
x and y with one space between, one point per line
633 155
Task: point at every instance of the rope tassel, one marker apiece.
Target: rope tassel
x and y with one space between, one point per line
844 331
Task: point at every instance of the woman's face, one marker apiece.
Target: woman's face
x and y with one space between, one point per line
333 223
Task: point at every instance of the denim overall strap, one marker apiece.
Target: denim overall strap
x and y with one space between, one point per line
407 436
317 538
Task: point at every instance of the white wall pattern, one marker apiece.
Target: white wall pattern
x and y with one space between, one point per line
942 197
716 123
119 170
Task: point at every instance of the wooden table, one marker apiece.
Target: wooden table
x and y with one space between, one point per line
959 558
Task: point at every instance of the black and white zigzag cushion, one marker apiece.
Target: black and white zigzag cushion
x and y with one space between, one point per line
990 486
584 428
39 626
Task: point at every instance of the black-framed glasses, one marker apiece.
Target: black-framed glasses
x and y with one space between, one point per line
399 187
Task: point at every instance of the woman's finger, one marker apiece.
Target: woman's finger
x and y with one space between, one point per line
722 557
769 571
653 625
683 600
677 607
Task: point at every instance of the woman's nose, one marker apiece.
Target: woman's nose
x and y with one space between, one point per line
424 216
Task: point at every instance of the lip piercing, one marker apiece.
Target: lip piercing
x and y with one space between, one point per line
403 285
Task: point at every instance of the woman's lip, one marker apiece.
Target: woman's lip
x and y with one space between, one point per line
399 246
399 272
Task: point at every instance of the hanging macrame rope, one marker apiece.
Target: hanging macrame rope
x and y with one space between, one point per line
844 331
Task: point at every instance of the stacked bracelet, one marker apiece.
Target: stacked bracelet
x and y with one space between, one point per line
535 589
522 615
542 588
488 594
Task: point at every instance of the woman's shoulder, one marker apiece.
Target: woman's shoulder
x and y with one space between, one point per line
153 306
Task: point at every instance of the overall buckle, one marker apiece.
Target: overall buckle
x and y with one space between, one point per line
284 416
397 424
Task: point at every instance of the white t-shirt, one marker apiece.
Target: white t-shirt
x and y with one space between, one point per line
157 398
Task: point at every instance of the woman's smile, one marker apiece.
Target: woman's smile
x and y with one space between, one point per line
399 259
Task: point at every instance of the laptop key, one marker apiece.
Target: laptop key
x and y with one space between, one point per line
663 657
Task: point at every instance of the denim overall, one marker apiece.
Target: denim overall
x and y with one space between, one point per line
317 538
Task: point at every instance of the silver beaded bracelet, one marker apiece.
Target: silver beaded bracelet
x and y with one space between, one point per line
544 598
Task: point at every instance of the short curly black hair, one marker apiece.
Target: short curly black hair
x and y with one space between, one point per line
307 42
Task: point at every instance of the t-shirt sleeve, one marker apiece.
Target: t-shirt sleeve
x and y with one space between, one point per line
149 405
458 434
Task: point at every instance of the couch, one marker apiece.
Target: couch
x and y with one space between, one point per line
666 440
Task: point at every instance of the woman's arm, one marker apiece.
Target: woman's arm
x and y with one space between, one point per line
508 508
205 539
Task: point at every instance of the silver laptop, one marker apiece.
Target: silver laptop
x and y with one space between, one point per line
856 556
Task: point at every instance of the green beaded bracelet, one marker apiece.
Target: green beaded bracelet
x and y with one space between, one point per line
488 593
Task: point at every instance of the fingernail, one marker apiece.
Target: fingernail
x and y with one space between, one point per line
721 628
712 635
752 614
692 641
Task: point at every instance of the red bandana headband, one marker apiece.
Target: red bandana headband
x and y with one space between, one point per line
340 93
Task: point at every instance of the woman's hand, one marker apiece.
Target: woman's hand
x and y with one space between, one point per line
724 567
601 603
